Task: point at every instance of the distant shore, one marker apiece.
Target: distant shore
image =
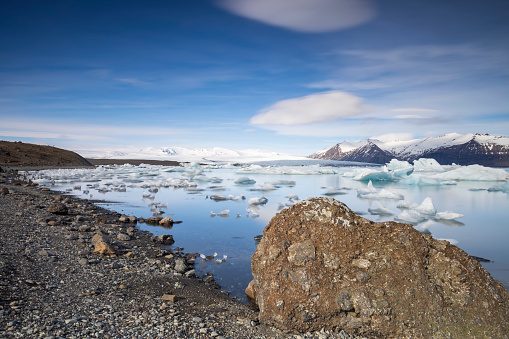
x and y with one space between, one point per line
135 162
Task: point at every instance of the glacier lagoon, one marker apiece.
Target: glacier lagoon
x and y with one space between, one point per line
222 211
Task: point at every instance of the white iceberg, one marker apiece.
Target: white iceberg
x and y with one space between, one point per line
473 173
218 197
257 201
265 187
500 188
245 181
411 217
448 215
426 207
427 165
399 169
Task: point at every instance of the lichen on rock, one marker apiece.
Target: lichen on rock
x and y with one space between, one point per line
320 265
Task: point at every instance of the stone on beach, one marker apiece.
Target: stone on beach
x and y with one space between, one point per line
58 208
320 265
105 249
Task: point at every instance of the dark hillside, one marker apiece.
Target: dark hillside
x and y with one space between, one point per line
18 154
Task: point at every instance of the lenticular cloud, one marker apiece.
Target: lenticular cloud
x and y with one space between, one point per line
314 108
311 16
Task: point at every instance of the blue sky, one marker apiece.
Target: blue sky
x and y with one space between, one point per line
289 75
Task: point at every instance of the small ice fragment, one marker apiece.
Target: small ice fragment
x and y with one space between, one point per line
426 207
218 197
223 213
257 201
448 215
245 181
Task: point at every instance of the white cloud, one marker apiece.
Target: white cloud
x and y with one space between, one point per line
409 116
304 15
53 130
314 108
414 110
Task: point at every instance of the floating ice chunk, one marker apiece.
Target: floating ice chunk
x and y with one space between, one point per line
411 217
284 182
420 180
500 188
245 181
448 215
223 213
426 207
380 210
253 211
406 205
427 165
474 173
383 194
399 169
218 197
376 176
257 201
368 190
265 187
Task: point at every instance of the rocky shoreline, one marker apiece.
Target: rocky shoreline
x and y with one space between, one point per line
55 283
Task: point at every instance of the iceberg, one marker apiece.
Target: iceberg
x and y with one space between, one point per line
500 188
473 173
427 165
411 217
399 169
257 201
265 187
245 181
426 207
448 215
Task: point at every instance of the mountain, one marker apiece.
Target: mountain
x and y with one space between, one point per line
188 154
461 149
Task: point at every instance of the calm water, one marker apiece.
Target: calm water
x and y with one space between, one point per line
482 232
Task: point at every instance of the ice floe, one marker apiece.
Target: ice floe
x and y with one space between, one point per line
371 192
416 213
257 201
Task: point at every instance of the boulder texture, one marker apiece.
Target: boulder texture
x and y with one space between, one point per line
320 265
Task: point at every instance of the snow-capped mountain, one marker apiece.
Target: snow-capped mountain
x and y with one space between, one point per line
188 154
461 149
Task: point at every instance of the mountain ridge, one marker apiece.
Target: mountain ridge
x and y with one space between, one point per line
461 149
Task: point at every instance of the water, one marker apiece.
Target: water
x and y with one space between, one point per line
482 232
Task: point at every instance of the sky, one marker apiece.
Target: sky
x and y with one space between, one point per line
292 76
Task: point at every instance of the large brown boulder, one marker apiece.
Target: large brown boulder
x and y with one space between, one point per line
320 265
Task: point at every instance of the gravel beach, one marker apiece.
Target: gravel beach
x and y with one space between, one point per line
54 285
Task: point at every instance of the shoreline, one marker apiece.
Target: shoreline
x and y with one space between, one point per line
54 285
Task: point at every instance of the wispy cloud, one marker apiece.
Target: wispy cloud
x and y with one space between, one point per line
304 15
320 107
413 66
13 127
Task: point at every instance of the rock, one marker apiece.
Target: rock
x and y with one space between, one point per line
168 297
98 238
4 190
123 237
180 266
105 249
251 295
320 265
165 239
166 221
59 209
